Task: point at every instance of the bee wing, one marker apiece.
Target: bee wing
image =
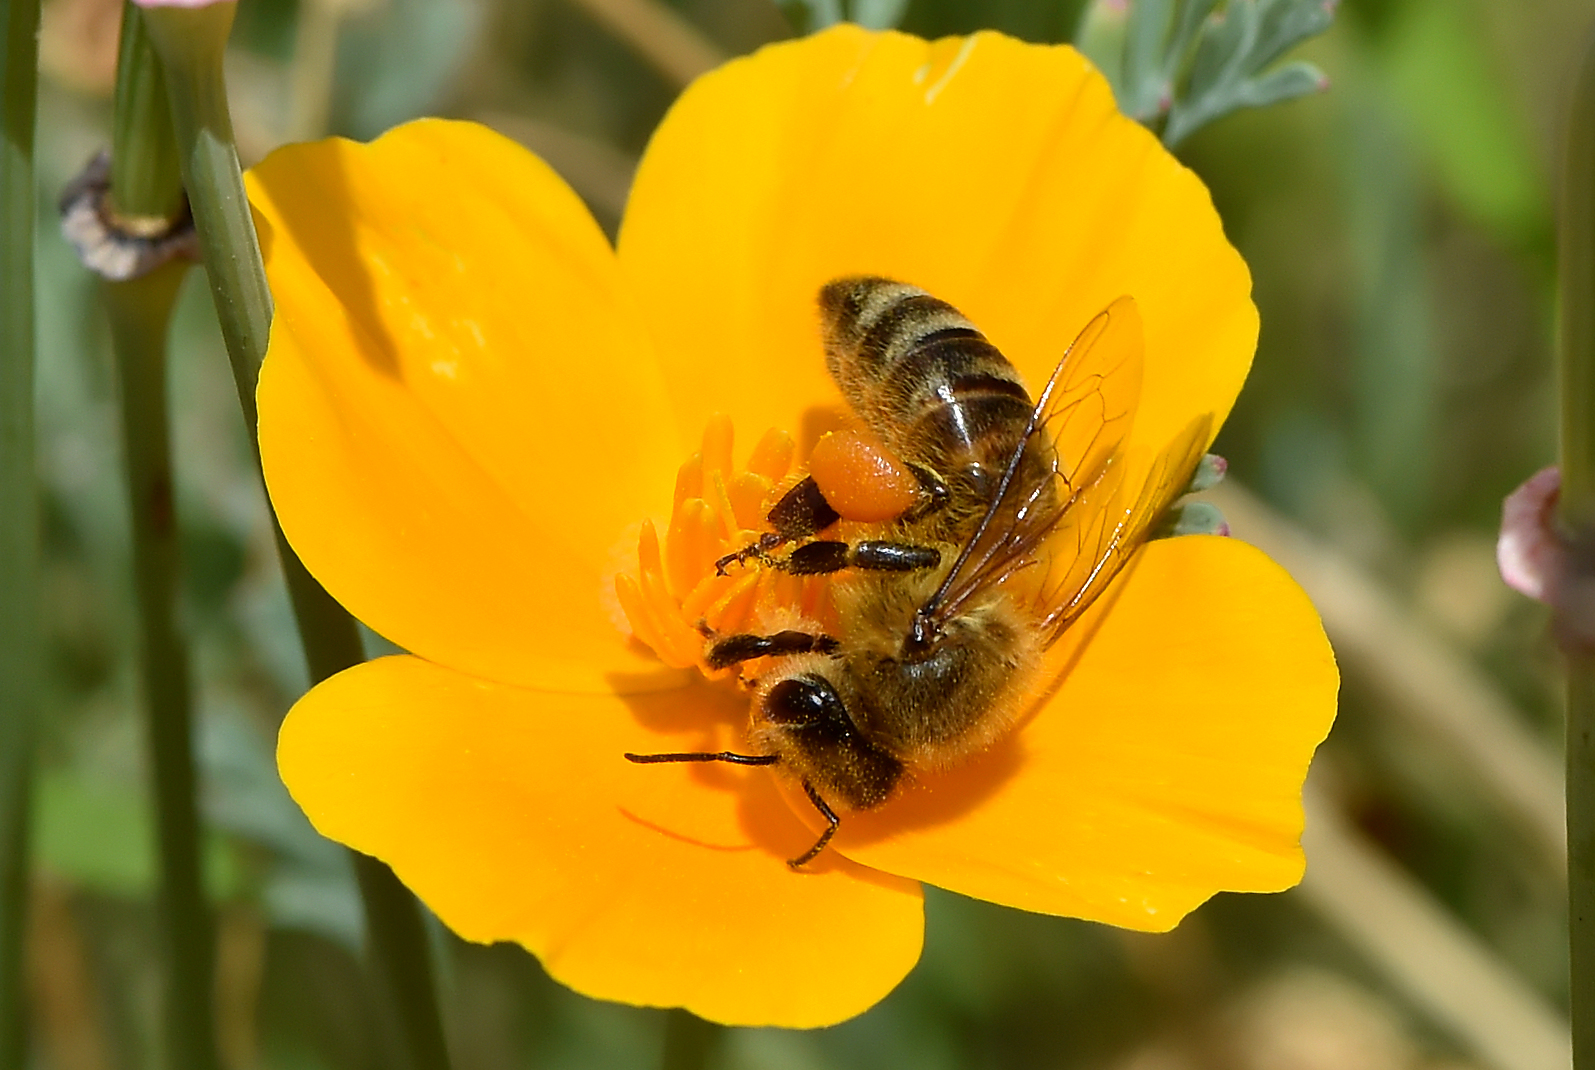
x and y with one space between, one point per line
1080 419
1100 530
1089 403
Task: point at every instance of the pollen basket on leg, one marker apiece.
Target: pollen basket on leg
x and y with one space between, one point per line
677 597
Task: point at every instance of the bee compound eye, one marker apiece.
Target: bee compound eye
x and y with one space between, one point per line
803 700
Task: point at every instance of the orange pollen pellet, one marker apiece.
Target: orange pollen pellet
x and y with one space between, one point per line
860 477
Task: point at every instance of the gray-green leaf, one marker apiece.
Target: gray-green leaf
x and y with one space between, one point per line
1180 64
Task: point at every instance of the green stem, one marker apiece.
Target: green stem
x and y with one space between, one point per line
146 181
398 951
689 1041
19 516
191 43
1576 374
147 195
140 313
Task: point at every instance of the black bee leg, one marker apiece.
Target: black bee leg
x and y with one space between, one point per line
745 647
874 555
832 821
801 512
754 551
705 756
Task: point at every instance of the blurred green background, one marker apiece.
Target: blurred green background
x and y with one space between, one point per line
1399 228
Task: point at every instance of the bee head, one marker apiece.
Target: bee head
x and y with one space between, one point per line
806 721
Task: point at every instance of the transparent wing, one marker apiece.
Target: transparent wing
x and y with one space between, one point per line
1106 523
1081 417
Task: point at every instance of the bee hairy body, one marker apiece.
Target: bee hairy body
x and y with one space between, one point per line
924 379
1026 511
941 397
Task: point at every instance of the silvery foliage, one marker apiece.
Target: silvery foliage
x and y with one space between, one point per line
1184 63
807 16
1198 517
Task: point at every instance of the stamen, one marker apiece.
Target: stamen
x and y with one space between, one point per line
639 613
675 597
720 501
772 457
679 642
689 480
692 547
717 445
748 494
734 610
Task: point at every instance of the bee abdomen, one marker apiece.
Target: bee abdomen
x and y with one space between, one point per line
920 373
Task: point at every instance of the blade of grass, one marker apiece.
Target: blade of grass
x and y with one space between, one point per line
1422 949
1418 676
19 517
147 197
140 312
1576 513
658 33
191 43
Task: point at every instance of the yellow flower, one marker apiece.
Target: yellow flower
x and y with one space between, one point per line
472 403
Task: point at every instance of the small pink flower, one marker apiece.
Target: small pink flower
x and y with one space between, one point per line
1536 560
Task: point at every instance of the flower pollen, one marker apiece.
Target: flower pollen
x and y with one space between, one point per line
678 597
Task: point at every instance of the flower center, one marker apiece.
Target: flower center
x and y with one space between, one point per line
677 600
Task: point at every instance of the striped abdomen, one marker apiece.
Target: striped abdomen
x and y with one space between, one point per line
922 377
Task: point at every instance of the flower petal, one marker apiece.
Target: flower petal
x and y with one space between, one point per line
1167 765
459 417
997 175
515 817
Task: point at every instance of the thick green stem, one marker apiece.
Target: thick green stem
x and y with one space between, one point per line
19 515
191 42
146 183
1576 373
147 196
398 948
140 312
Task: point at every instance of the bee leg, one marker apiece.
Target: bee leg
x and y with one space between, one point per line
801 512
732 649
704 756
832 821
758 550
874 555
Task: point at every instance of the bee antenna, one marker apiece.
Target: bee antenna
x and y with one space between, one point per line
704 756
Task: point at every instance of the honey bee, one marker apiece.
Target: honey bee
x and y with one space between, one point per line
1019 514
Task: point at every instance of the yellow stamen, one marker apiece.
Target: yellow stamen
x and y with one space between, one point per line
772 457
676 600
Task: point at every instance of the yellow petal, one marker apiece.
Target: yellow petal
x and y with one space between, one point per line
459 416
996 175
513 814
1166 767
